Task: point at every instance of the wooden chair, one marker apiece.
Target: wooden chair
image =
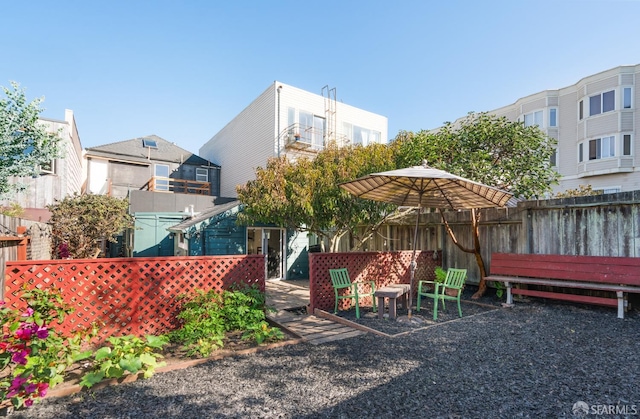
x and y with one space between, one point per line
454 281
340 280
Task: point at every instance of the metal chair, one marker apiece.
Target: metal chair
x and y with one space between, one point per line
454 281
340 280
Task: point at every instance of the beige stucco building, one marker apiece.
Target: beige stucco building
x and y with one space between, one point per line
595 122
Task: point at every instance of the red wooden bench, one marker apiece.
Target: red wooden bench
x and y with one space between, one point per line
600 273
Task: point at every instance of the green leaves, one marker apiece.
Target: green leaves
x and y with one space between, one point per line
24 143
207 316
126 354
80 222
305 195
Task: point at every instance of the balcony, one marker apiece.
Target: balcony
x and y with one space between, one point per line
308 139
170 185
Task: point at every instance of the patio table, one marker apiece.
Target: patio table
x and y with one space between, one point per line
393 292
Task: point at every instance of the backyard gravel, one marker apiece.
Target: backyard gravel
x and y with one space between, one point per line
534 360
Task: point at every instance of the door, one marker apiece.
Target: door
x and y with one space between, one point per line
270 243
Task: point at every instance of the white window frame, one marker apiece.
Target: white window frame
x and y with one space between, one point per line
202 172
162 184
601 102
623 98
553 120
534 118
605 147
630 144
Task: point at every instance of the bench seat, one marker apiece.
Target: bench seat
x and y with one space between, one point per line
618 275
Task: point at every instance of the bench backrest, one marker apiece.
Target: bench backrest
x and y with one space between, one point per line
600 269
340 278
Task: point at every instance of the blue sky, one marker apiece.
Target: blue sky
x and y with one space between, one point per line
183 69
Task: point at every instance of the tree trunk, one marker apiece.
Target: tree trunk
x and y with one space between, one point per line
475 221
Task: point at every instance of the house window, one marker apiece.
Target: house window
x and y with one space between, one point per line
626 98
202 174
614 189
360 135
580 158
581 109
48 168
604 102
601 148
626 145
554 158
533 118
162 177
553 117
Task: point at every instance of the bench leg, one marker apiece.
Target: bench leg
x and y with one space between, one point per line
392 308
620 296
509 295
380 308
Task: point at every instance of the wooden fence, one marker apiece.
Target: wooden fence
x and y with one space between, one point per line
600 225
130 295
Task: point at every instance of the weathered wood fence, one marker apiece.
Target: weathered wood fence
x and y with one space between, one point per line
600 225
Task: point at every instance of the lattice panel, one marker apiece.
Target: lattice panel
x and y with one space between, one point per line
382 267
130 295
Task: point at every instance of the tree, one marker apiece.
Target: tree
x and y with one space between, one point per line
80 222
24 143
582 190
305 195
488 149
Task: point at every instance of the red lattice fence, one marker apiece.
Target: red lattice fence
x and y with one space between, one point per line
130 295
382 267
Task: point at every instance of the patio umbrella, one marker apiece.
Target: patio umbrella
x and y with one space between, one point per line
425 187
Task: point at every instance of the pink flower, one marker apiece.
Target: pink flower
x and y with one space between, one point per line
30 388
42 389
42 332
28 313
20 357
28 402
24 333
17 382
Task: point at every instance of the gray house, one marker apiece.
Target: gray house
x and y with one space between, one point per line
164 183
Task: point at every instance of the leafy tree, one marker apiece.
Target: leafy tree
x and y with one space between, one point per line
305 195
488 149
80 222
24 143
582 190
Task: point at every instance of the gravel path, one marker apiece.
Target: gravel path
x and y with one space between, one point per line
534 360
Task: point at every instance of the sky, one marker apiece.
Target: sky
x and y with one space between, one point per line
183 69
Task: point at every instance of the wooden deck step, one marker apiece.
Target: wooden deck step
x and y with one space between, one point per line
313 329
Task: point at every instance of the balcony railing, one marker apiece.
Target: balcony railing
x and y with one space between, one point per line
170 185
311 139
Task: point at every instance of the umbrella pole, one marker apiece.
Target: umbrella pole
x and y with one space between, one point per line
413 265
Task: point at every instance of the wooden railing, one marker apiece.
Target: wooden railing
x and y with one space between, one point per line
170 185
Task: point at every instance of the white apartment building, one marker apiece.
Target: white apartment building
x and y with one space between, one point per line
596 123
285 120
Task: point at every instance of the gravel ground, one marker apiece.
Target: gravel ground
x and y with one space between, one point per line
535 360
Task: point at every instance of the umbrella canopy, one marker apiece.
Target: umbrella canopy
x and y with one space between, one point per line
425 187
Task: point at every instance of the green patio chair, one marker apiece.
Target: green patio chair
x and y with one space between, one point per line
454 281
340 280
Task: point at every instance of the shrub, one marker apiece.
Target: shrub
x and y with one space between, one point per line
207 316
33 355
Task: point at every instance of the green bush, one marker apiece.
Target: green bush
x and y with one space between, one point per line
207 316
